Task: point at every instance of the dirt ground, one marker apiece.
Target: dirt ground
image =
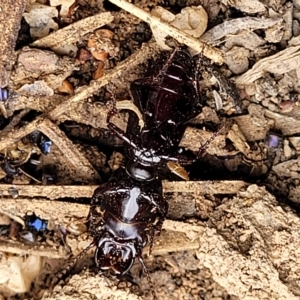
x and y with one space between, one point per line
232 229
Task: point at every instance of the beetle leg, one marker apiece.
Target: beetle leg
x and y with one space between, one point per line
177 160
94 218
115 129
203 147
64 272
151 240
146 272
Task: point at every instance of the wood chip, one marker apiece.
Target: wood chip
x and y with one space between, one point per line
204 187
74 32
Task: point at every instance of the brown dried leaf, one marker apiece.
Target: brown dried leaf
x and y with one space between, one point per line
100 70
66 87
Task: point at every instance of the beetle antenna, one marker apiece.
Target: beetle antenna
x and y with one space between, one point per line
203 147
68 268
148 276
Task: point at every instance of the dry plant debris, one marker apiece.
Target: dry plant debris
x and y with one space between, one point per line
9 27
245 239
279 63
74 32
191 20
40 19
184 38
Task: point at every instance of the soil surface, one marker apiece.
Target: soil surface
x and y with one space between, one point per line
232 227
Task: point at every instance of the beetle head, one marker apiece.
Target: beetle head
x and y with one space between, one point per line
116 257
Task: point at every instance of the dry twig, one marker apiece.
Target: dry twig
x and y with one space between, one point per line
74 32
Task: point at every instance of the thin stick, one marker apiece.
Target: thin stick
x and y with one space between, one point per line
29 176
21 249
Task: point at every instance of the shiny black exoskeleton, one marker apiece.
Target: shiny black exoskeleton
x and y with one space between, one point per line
123 215
167 100
130 208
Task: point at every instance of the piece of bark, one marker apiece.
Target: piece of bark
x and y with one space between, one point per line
10 20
